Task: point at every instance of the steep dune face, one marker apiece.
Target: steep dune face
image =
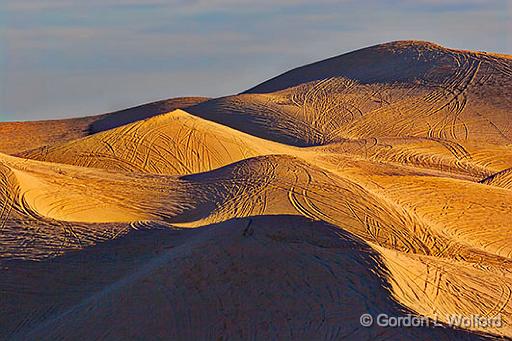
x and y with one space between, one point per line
374 182
18 137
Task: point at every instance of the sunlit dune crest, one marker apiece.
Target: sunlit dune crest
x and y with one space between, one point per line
378 181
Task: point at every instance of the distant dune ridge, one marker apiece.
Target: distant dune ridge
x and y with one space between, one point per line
378 181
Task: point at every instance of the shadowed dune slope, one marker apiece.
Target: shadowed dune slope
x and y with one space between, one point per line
23 136
272 277
373 182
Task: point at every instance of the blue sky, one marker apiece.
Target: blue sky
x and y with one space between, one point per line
68 58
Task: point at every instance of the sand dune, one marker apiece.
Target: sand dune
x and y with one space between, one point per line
399 89
175 143
310 280
373 182
14 134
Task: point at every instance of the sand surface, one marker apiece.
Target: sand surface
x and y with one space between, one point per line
378 181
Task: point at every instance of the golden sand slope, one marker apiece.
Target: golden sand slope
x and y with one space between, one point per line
23 136
377 181
171 143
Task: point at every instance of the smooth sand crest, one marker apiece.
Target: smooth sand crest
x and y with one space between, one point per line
373 182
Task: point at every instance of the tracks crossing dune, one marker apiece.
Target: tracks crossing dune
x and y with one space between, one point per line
373 182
